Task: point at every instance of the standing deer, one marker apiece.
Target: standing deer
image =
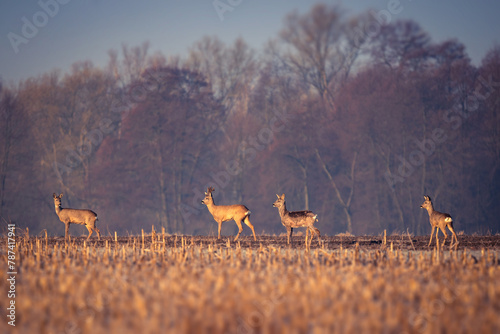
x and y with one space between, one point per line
76 216
222 213
439 219
296 219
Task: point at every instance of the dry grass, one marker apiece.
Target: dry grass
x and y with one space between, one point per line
192 288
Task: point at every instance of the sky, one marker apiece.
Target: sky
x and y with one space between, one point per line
38 36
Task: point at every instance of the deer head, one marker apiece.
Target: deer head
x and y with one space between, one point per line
280 201
427 202
208 196
57 199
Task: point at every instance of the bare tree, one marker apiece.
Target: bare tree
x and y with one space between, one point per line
230 71
403 45
345 202
132 64
320 48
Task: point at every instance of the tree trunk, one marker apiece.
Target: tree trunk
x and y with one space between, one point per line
162 189
345 204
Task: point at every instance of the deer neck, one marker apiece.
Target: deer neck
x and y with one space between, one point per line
58 209
211 206
282 210
430 209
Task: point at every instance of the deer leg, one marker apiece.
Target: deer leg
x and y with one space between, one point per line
240 228
443 229
289 233
318 233
307 234
312 232
247 222
90 231
437 238
94 227
66 230
450 227
432 232
220 226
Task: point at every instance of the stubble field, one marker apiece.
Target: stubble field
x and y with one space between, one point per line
184 284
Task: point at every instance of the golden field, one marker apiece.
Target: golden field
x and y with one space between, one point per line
185 285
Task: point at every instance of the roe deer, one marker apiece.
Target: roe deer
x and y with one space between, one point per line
439 219
76 216
296 219
222 213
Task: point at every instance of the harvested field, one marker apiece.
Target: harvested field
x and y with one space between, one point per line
176 284
401 242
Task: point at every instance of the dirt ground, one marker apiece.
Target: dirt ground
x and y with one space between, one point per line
401 242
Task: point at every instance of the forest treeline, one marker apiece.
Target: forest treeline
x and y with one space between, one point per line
352 118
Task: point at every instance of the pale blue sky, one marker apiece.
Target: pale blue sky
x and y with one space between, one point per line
87 29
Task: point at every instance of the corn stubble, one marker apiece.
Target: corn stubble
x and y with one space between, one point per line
124 287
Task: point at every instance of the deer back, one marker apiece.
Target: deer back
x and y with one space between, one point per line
439 218
229 212
77 216
298 218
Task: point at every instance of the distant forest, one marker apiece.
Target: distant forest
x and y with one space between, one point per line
350 118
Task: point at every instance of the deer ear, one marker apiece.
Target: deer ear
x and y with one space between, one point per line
54 195
277 195
283 196
60 195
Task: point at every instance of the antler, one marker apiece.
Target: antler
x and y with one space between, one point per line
210 190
